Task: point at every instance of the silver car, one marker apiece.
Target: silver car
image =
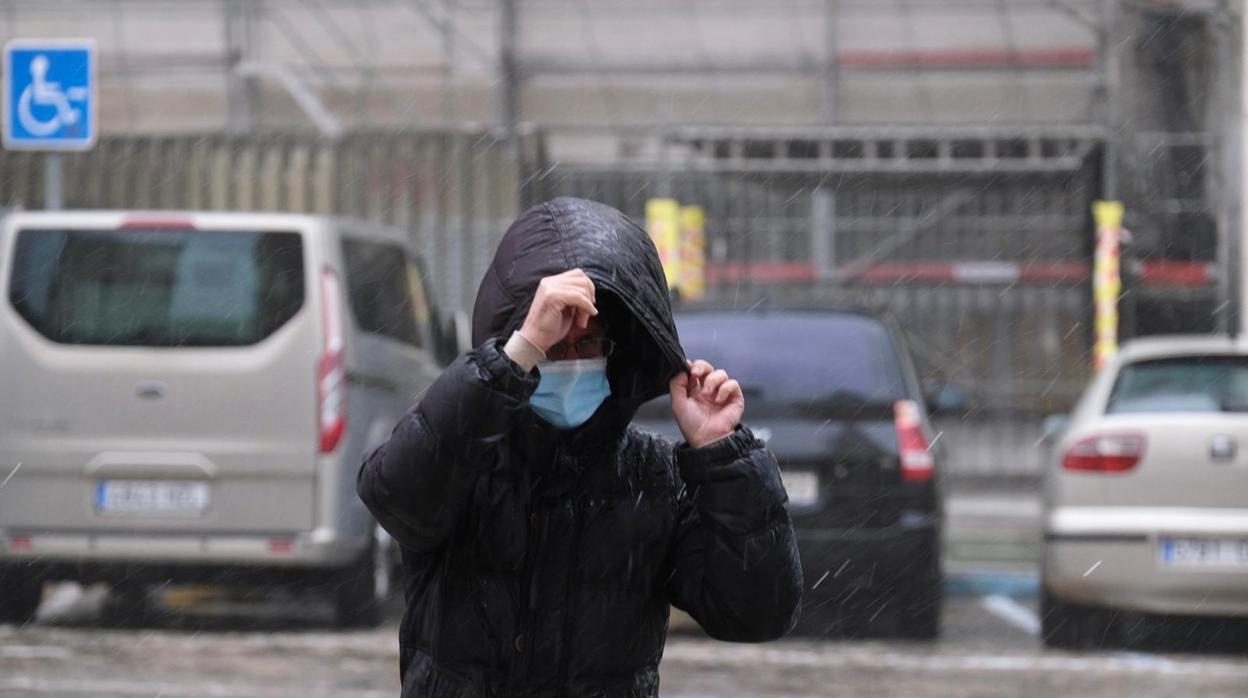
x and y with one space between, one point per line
1146 504
187 396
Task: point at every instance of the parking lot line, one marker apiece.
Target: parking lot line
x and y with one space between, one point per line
33 652
874 657
1013 613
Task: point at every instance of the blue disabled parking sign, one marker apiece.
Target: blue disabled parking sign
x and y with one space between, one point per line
49 94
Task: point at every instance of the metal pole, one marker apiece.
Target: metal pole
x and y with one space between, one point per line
446 29
1109 60
53 192
241 90
829 68
1227 155
1240 130
509 80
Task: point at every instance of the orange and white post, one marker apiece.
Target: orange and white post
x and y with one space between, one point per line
1106 279
692 253
663 224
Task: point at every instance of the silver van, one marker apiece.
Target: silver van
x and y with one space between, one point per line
186 397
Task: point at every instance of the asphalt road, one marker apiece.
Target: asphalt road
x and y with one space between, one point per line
279 649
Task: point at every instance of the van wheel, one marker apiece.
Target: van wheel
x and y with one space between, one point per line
20 595
1071 626
362 588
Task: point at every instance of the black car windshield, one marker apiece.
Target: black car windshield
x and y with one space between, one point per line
828 360
1182 384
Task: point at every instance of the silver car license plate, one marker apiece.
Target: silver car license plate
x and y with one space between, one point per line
151 497
1204 552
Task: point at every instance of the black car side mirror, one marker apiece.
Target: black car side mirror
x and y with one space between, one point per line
947 400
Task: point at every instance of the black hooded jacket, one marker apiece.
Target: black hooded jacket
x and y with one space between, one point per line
540 562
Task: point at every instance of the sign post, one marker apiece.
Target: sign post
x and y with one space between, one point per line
50 102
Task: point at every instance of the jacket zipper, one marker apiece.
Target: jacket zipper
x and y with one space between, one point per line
534 542
569 594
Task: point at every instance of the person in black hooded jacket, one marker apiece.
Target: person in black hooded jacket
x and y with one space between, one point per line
543 538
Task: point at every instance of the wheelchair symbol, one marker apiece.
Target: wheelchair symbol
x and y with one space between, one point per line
42 93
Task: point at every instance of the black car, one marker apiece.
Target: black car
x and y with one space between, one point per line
835 395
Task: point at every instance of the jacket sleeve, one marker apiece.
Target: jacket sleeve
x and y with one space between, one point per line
418 482
735 566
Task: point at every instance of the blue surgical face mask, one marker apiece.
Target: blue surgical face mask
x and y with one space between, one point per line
569 392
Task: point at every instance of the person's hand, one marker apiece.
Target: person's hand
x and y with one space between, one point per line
707 403
561 301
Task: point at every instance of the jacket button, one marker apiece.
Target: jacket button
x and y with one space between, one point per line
520 643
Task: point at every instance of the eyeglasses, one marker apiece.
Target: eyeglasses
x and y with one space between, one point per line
586 348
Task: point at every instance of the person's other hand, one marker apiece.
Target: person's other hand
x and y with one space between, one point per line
708 405
561 301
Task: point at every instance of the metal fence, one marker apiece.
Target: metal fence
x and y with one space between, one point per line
455 192
977 242
973 239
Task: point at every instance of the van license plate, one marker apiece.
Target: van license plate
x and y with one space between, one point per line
802 486
1204 552
151 497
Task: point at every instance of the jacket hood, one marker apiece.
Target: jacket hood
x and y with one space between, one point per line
632 293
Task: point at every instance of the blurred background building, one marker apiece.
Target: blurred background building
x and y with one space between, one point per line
935 157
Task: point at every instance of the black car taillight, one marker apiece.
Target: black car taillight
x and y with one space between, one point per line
917 463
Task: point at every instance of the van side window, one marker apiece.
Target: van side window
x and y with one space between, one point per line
420 296
378 291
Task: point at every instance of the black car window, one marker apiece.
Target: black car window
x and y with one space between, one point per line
795 358
157 287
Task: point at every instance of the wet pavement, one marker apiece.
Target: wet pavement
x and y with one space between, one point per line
279 649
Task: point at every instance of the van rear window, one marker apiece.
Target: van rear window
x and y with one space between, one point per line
158 288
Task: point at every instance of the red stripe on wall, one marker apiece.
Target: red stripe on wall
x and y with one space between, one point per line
1152 273
1059 57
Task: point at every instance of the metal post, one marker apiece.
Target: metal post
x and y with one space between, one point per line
509 79
241 89
1240 159
1226 197
1110 63
446 30
823 231
829 67
53 178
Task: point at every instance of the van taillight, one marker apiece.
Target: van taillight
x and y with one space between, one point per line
1105 453
331 375
917 462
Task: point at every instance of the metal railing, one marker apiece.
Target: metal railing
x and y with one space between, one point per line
454 191
1017 346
